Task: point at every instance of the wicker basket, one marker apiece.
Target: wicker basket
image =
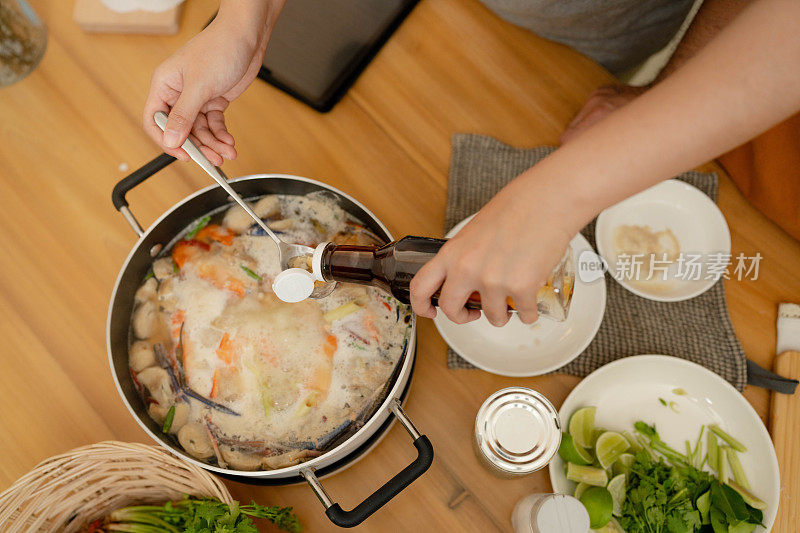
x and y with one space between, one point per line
66 492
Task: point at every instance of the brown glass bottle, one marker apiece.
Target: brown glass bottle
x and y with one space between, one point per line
392 266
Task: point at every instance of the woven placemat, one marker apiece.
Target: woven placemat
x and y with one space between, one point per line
699 329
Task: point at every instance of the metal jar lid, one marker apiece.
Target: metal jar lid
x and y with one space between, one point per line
517 431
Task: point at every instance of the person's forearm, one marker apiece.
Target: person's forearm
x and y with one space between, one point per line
250 17
712 17
741 84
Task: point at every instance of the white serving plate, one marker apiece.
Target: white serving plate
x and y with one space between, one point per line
520 350
628 390
693 218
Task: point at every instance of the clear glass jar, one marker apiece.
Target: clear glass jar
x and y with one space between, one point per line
23 40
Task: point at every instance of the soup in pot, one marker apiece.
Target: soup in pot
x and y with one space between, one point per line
242 379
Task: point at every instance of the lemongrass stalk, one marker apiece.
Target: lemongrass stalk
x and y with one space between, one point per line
722 473
733 443
736 468
713 451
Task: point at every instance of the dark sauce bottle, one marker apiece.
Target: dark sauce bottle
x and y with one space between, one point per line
392 266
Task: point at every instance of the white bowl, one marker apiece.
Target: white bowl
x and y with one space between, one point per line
522 350
628 390
693 218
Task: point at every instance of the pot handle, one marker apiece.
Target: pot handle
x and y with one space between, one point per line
132 180
389 490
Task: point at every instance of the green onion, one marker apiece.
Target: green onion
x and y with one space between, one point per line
150 274
202 223
663 401
175 267
251 273
733 443
168 420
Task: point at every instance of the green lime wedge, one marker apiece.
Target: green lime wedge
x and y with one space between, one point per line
609 446
580 489
587 474
611 527
574 454
599 504
635 446
581 426
623 464
617 489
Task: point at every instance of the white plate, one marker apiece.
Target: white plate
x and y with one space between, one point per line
518 349
693 218
629 389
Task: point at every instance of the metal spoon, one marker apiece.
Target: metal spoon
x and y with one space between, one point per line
287 251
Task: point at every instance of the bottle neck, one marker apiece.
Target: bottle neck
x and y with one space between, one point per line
352 264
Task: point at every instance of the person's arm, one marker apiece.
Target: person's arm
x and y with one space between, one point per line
197 83
742 83
712 17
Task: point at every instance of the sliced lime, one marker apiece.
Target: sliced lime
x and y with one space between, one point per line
611 527
623 464
599 504
581 426
587 474
609 446
580 489
617 489
574 454
635 446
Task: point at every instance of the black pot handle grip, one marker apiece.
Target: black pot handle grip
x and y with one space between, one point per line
132 180
136 177
389 490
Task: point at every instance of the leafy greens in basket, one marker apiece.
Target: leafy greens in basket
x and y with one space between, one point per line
192 515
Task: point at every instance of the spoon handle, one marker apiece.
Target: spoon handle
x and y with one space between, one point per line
197 156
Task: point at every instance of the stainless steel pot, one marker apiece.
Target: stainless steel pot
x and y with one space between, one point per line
158 237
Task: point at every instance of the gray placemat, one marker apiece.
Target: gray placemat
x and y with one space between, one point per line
699 329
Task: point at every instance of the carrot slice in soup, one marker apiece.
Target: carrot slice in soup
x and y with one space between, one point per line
215 233
225 350
186 250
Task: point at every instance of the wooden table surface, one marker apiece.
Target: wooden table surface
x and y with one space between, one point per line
452 67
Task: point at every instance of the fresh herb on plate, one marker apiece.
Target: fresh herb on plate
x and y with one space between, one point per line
649 487
680 498
192 515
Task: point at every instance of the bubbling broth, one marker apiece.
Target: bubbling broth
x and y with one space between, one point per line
241 379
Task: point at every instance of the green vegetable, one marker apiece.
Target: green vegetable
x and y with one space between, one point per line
663 401
168 419
175 267
675 496
150 274
251 273
722 472
202 223
736 468
713 451
194 515
733 443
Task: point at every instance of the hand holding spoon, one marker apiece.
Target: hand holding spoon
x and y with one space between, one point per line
292 284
